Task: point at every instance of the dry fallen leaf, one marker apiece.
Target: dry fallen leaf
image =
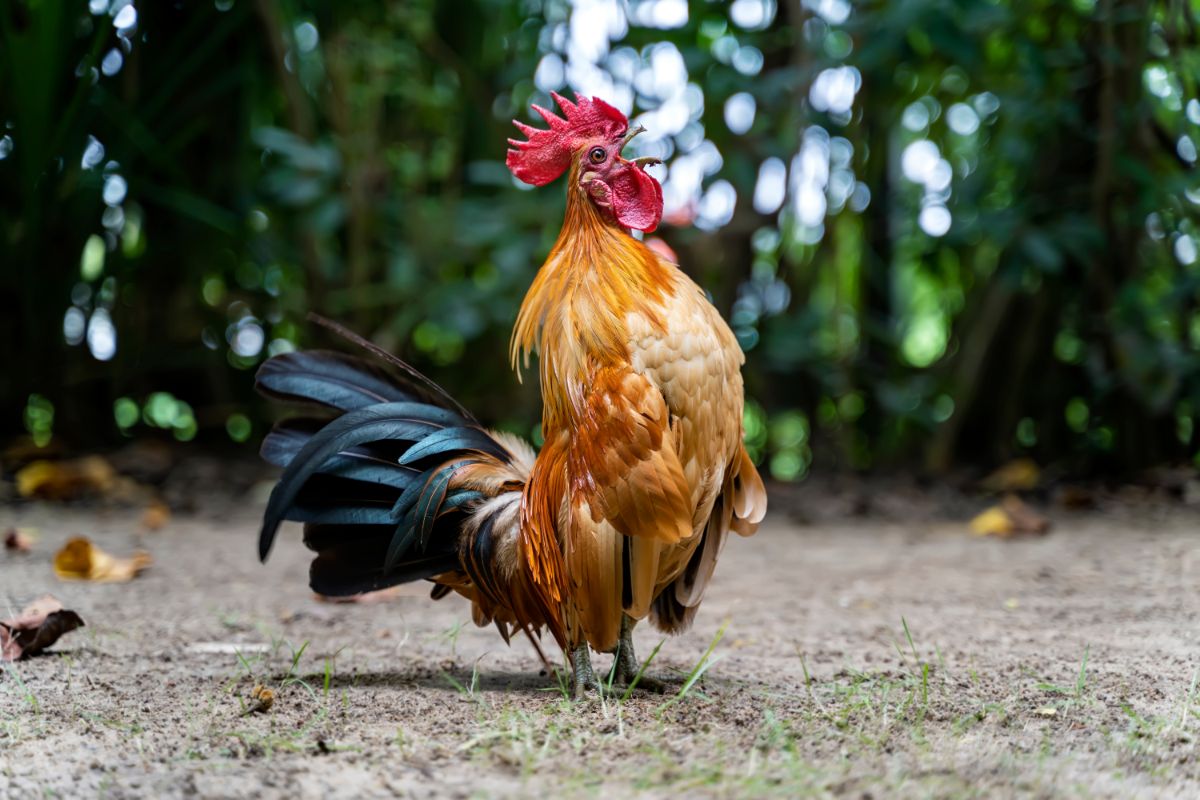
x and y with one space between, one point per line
18 540
263 699
993 522
1020 474
81 560
37 627
1012 516
1024 518
66 480
1075 497
156 515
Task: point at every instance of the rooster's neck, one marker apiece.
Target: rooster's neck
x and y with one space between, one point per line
575 312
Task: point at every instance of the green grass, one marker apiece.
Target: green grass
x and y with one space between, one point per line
807 676
633 684
282 668
1189 701
469 691
702 666
451 634
22 690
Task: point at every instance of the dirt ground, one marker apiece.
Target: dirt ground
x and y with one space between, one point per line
1057 666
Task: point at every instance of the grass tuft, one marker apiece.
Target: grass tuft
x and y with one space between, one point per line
702 666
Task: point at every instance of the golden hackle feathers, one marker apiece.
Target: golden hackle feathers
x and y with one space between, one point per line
599 274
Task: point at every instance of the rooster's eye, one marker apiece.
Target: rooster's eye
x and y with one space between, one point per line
597 155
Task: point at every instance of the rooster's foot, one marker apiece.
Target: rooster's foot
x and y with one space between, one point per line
582 672
626 665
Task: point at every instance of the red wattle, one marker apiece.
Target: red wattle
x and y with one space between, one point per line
637 199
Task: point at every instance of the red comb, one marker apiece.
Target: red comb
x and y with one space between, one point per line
547 154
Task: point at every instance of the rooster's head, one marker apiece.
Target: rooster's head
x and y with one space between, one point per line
591 135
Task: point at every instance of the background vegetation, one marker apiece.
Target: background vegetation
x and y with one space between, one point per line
946 232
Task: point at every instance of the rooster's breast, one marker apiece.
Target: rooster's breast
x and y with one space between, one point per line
694 359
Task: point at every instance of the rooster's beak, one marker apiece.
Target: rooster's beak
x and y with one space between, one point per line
632 133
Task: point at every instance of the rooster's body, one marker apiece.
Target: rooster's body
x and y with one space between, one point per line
623 512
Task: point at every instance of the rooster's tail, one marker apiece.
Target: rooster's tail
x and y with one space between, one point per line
393 480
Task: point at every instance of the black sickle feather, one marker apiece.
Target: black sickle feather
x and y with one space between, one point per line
373 484
454 440
329 379
339 515
369 469
381 422
436 391
287 438
460 499
364 463
354 569
399 545
417 510
430 505
479 565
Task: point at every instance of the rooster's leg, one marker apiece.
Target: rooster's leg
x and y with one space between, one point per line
581 668
627 665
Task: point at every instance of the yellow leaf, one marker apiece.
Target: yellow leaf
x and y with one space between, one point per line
1011 516
1019 475
32 477
81 560
64 480
993 522
157 515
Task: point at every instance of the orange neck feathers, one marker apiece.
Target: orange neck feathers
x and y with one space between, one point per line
574 313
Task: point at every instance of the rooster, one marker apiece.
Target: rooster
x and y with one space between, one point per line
621 515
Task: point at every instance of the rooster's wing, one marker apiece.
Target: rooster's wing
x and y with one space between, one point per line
629 499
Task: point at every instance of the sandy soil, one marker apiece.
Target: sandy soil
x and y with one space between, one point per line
816 689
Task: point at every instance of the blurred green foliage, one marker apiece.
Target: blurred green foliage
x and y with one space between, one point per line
983 240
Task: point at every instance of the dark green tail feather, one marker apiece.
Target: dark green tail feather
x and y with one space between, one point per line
372 483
